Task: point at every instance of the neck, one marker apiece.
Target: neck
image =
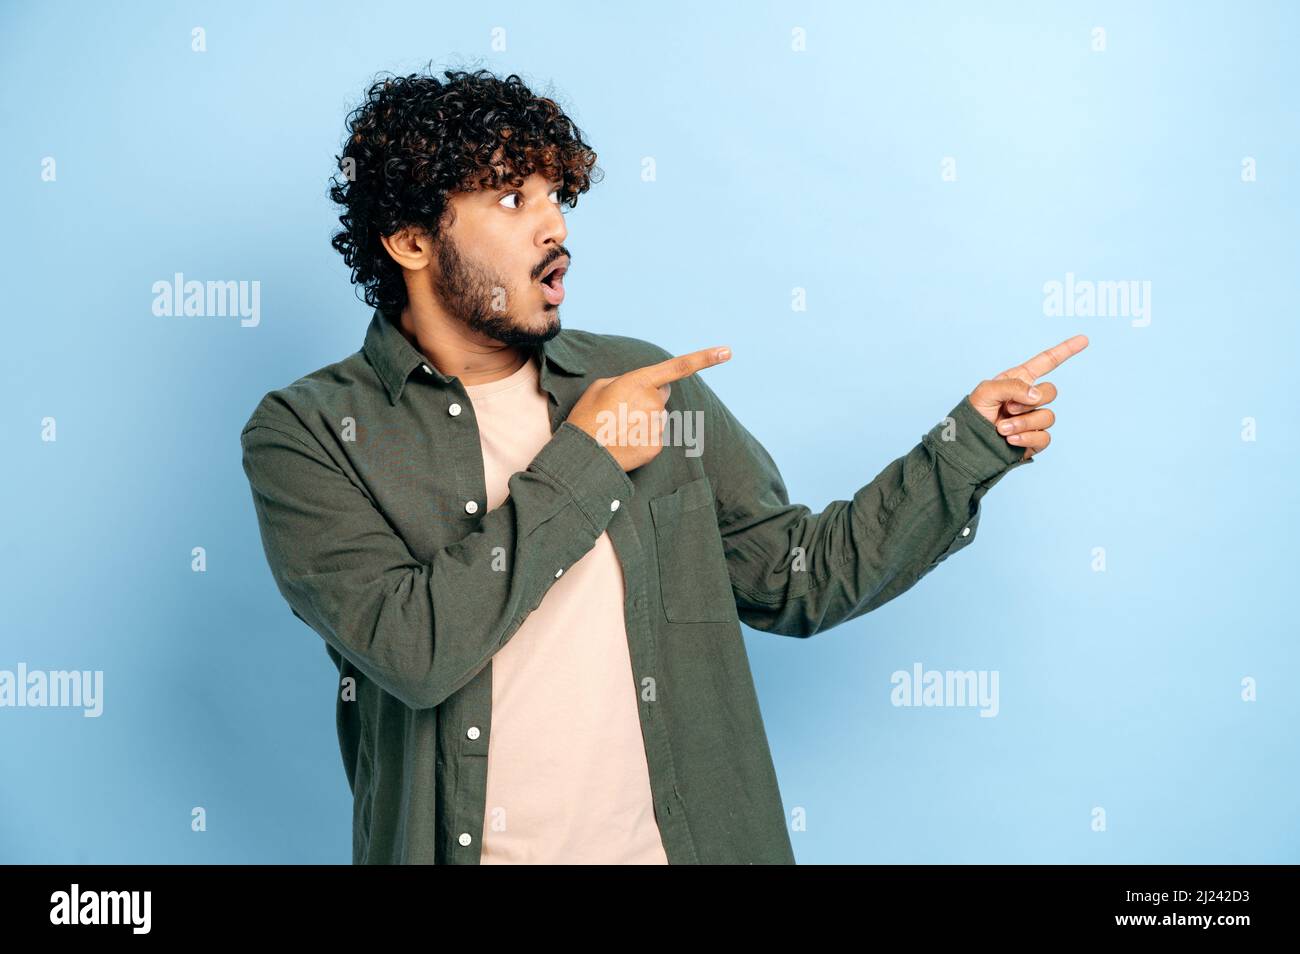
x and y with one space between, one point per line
454 349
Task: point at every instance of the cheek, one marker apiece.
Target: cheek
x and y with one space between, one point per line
509 262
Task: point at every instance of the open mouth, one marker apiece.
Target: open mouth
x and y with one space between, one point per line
552 283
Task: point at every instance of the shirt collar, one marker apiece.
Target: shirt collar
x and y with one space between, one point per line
394 358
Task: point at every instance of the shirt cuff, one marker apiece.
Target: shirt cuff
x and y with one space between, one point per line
969 440
578 462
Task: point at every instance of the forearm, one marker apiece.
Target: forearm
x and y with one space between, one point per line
421 630
799 573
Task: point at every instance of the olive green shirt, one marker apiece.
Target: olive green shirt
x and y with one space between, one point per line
368 484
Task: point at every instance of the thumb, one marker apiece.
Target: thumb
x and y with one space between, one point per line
989 395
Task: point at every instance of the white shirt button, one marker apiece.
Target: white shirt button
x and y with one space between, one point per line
965 531
464 838
613 505
471 507
427 369
454 410
558 572
472 732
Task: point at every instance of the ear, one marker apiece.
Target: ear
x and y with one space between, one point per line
411 247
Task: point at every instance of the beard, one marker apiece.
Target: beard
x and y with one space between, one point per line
469 292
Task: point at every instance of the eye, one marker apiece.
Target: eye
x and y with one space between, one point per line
556 196
562 199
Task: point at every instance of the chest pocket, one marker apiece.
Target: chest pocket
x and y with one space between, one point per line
693 579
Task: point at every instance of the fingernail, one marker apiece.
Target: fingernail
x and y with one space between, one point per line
1005 427
1034 394
724 354
1014 437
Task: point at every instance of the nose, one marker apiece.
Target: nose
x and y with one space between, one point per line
553 230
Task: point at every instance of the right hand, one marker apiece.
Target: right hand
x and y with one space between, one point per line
644 392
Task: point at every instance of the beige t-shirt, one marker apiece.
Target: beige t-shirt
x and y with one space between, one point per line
567 779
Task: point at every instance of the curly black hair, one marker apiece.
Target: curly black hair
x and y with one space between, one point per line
416 139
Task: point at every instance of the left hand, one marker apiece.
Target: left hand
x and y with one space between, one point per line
1020 418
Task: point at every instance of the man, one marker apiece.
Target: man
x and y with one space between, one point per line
532 596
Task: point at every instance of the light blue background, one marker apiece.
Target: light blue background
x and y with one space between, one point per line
776 170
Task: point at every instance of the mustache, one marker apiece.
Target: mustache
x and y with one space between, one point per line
561 252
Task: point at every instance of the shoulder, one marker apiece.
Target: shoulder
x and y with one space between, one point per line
302 405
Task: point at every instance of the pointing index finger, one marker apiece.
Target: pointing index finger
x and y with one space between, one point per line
1045 361
683 365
